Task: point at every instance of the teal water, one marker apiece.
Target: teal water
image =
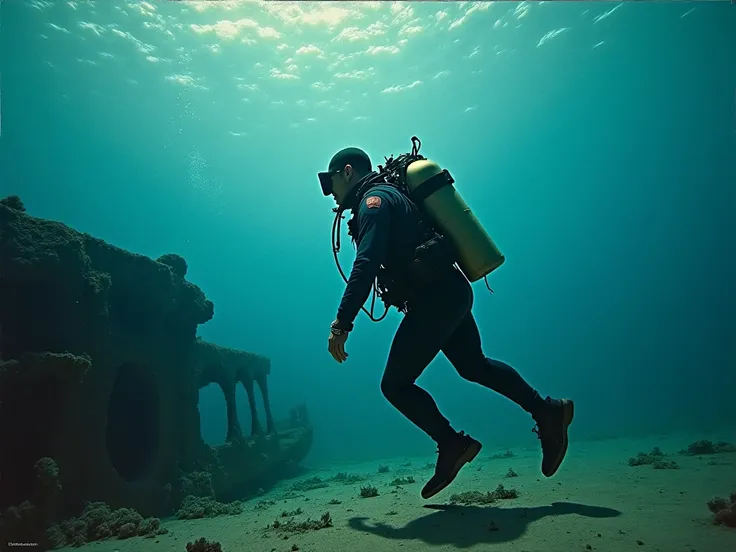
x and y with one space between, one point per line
596 142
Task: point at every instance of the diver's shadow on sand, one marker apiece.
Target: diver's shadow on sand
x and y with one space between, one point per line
465 526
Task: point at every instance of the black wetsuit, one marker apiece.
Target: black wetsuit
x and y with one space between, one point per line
439 317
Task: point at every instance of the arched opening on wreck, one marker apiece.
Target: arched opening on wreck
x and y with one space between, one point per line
212 414
133 421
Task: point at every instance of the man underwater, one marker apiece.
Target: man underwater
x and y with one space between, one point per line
387 229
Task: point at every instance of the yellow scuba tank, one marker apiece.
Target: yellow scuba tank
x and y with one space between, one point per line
431 188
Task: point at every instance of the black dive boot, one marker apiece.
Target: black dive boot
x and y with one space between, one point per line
453 455
553 419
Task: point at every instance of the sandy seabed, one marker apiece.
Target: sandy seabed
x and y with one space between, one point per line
595 502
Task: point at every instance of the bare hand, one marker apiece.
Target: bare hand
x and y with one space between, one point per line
336 346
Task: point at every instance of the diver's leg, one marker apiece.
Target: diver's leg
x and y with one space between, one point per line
553 416
463 350
429 323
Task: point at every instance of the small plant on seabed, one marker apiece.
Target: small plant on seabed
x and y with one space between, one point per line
309 524
645 458
402 481
476 497
368 492
508 453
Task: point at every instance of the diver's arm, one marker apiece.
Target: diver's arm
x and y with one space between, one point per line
372 240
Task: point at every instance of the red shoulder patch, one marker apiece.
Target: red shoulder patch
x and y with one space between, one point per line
373 202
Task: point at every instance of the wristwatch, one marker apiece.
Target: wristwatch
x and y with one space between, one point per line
338 329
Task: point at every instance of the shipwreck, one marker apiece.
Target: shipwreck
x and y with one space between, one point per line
100 371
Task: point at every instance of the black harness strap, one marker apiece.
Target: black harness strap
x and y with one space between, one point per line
438 181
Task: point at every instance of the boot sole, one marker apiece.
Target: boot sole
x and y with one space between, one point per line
567 416
466 457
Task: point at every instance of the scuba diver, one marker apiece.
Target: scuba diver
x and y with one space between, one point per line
419 247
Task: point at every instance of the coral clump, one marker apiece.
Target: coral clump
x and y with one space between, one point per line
27 522
402 481
310 484
196 483
128 530
98 522
724 511
195 507
264 504
13 202
309 524
645 458
665 465
508 453
47 475
346 478
150 527
502 493
476 497
175 262
704 447
201 545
